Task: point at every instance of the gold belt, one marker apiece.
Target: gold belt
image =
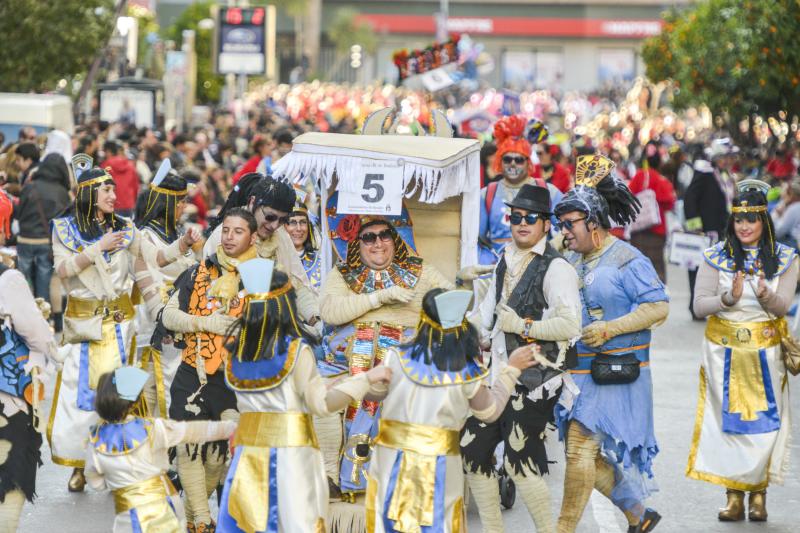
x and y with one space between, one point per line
412 503
425 440
142 493
275 430
119 309
748 335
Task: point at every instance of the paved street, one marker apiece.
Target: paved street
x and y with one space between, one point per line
686 505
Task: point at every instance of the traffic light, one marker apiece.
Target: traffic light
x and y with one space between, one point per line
355 56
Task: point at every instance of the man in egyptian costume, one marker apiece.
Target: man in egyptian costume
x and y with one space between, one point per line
371 299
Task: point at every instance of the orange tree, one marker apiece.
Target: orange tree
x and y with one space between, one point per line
739 57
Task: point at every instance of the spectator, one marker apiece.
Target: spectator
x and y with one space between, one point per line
488 151
125 177
550 170
781 166
283 144
787 214
27 135
262 147
44 196
651 241
27 160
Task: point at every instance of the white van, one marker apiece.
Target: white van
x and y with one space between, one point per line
43 112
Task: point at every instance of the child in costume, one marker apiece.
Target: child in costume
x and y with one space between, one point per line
129 454
416 478
276 481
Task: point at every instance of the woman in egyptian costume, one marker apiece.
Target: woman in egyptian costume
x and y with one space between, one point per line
276 480
416 477
158 211
743 424
99 256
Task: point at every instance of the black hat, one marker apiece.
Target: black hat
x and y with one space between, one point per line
532 198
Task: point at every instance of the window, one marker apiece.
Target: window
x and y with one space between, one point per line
533 69
616 65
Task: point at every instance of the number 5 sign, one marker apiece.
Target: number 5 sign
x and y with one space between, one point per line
378 190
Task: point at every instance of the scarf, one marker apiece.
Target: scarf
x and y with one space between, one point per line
226 286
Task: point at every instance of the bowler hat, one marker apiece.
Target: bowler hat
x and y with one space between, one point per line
532 198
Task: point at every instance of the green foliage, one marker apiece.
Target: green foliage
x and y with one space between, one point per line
293 8
737 57
345 31
44 42
145 54
209 84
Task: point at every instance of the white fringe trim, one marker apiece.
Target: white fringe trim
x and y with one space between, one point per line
432 184
346 517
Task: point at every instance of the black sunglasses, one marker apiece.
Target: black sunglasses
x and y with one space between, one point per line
508 159
517 218
270 217
370 237
569 224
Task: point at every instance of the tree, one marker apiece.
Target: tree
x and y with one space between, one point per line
45 42
346 30
209 84
737 57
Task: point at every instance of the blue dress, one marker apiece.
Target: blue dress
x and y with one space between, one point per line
621 415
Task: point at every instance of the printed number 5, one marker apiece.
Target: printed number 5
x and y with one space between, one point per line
376 189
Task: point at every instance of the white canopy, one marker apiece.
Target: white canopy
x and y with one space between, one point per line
434 169
45 110
438 167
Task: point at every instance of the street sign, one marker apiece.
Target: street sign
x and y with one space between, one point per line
241 40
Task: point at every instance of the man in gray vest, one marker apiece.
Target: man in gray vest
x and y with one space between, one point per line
533 298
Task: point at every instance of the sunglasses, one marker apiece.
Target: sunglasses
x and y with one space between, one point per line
517 218
569 224
270 217
508 159
370 237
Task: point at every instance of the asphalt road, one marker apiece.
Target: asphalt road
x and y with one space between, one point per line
686 505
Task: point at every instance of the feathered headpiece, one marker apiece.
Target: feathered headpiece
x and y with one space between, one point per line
599 193
509 134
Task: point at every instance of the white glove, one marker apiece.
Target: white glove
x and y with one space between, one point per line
473 272
218 323
509 321
395 294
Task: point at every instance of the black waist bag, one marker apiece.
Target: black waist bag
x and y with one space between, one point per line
615 369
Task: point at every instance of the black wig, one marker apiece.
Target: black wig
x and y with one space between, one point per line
157 207
89 226
276 194
767 250
238 197
269 322
450 349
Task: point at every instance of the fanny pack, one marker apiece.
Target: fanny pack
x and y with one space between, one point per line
615 369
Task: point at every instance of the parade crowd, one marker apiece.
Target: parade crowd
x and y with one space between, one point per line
175 283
